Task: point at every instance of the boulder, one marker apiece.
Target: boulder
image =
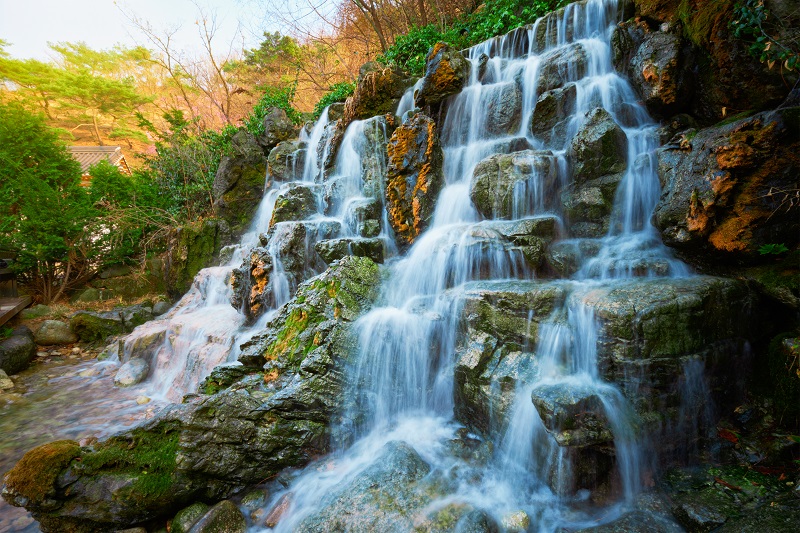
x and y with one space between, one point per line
551 115
503 109
90 327
414 177
278 127
125 287
188 517
374 157
116 271
52 332
132 373
599 148
727 190
159 308
588 205
378 91
89 295
17 351
566 257
494 353
239 182
224 517
190 248
359 506
572 413
297 202
334 249
285 162
446 72
509 185
365 217
134 315
561 66
658 73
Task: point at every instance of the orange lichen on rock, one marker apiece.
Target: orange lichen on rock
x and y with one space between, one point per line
414 176
33 477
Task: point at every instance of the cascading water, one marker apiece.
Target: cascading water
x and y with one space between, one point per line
402 382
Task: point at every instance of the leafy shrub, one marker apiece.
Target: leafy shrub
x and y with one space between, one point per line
753 22
495 17
273 97
338 93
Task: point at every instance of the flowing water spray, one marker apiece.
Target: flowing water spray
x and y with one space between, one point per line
402 381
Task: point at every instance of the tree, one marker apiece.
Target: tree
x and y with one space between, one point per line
43 210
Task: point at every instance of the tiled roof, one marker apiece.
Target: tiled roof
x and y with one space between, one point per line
91 155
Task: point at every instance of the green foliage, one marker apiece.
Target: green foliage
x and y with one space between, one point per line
753 22
773 249
338 93
273 97
184 166
495 17
5 332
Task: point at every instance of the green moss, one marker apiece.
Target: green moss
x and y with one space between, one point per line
148 456
34 476
701 17
733 118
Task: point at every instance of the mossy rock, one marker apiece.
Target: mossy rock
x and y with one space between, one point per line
188 517
32 480
90 327
193 247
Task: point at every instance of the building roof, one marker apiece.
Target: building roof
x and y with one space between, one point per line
91 155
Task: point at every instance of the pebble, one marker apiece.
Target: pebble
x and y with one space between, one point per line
55 352
141 400
76 351
42 354
5 381
89 373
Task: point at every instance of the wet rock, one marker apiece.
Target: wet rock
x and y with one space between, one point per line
572 413
360 506
599 148
298 202
720 199
658 73
530 236
377 92
365 219
277 127
504 110
653 327
592 202
335 249
239 181
5 381
159 308
224 517
255 499
52 332
566 257
277 512
516 522
551 114
505 185
17 351
131 373
223 376
195 246
446 72
91 327
375 159
31 481
414 177
562 65
285 162
494 353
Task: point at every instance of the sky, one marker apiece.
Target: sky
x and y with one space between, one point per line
30 24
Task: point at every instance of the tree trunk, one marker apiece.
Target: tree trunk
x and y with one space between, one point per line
423 17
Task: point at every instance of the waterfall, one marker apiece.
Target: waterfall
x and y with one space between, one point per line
402 380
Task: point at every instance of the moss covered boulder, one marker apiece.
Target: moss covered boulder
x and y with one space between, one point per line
285 161
90 326
414 177
17 351
297 202
191 248
446 72
239 182
504 185
599 148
